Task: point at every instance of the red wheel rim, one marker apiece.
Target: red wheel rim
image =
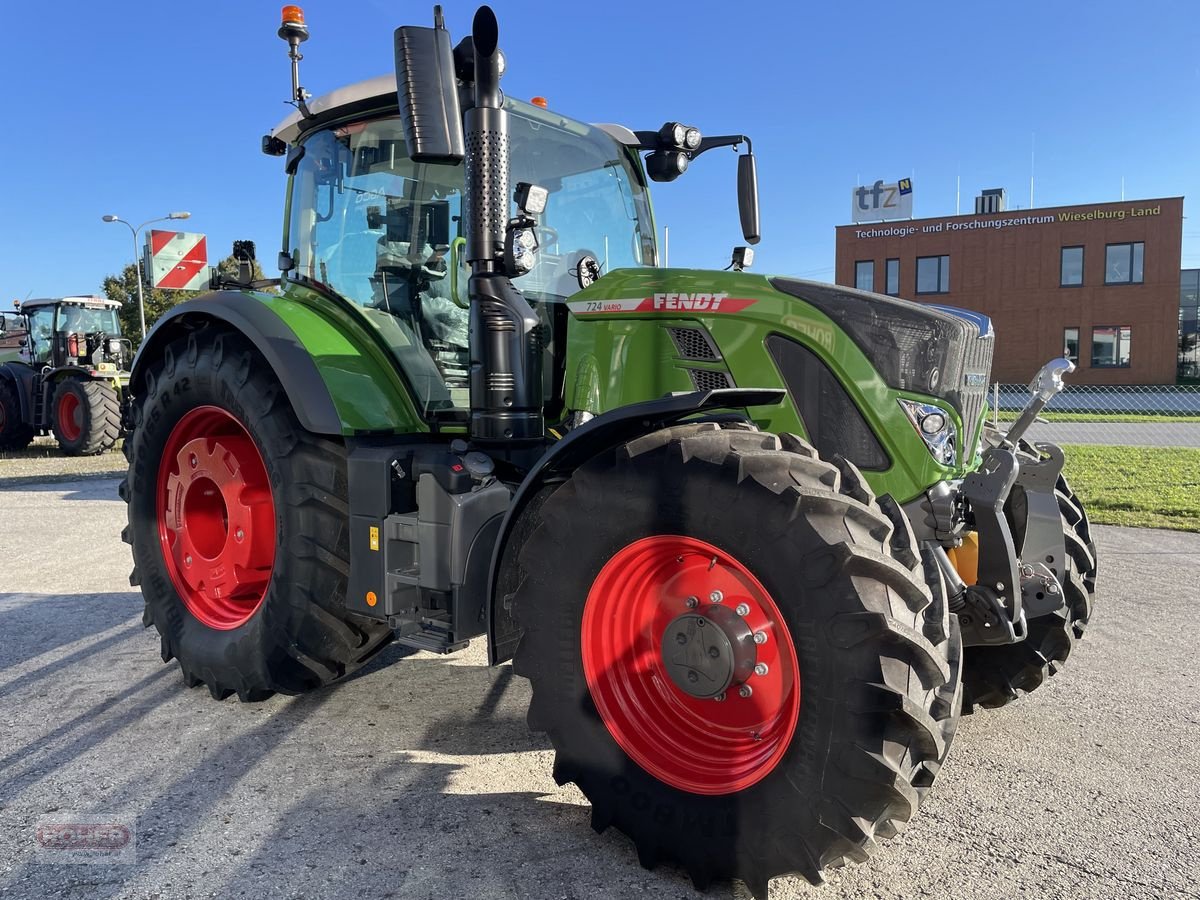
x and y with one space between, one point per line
216 518
70 417
704 746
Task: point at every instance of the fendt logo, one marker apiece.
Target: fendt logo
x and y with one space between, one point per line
881 202
690 302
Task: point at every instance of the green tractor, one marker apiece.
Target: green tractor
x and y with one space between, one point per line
63 368
736 530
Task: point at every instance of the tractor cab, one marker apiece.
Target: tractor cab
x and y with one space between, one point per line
388 234
82 332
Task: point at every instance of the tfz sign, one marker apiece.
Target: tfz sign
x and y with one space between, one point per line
880 202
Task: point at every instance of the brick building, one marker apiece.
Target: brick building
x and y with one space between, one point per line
1100 282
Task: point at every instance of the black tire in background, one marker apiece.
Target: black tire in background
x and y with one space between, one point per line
300 636
15 432
94 417
878 658
992 676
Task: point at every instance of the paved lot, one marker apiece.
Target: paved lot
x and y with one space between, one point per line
418 778
1127 434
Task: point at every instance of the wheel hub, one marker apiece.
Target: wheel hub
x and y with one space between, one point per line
704 653
670 624
216 518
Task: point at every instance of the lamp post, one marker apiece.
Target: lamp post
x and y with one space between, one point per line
137 261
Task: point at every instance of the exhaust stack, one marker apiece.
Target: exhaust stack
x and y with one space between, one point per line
505 334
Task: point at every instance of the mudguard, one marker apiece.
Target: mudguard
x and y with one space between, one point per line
22 378
271 336
608 430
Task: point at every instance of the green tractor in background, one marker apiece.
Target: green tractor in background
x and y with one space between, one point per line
63 368
736 530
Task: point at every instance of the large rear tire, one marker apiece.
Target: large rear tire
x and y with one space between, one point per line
840 733
992 676
15 432
86 417
237 520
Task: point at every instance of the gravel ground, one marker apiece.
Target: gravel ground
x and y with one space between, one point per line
417 778
43 461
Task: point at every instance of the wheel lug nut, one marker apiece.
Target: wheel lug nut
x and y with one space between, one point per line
745 690
720 698
716 596
187 560
743 610
680 637
760 669
691 602
693 677
714 652
240 534
760 637
192 461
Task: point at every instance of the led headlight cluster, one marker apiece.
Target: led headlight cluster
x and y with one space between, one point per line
935 428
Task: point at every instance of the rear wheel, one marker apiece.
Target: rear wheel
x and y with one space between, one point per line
237 519
86 417
734 651
15 432
992 676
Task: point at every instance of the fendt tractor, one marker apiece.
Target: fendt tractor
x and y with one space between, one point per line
63 368
736 530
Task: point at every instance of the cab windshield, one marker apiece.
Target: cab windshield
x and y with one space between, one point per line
387 234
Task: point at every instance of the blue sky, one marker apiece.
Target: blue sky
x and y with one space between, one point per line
139 109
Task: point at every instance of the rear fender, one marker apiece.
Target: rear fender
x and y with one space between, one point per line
305 358
604 432
22 378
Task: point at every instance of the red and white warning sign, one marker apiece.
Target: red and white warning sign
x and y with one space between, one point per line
177 260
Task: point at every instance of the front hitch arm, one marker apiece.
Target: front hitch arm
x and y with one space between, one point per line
991 610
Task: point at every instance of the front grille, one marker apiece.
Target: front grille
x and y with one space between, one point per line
706 380
694 343
834 424
977 362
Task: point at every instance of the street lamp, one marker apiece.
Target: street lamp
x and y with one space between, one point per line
137 262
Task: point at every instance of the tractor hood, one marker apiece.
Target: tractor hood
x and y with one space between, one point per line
846 358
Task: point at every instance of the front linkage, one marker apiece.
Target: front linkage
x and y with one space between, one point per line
1011 527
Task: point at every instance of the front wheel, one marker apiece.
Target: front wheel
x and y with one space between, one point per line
734 652
86 417
237 520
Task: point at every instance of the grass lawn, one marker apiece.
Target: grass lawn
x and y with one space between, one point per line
1148 487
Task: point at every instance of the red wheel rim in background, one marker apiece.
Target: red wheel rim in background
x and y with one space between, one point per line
70 417
703 746
216 517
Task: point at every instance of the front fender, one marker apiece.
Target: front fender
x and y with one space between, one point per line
618 426
338 382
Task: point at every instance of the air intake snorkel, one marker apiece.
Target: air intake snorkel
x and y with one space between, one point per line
505 338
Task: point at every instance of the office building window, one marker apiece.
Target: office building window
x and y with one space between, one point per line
933 274
864 275
893 277
1110 347
1189 324
1071 344
1071 268
1123 263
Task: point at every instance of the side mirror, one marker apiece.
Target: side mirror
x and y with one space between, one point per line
428 93
747 183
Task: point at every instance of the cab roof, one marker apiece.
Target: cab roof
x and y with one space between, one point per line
80 300
378 94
